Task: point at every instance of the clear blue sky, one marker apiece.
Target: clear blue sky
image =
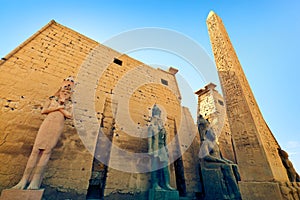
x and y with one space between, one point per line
265 35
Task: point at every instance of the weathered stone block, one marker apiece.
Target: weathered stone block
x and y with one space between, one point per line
163 195
260 190
12 194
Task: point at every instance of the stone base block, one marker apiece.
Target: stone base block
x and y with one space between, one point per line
13 194
163 195
260 190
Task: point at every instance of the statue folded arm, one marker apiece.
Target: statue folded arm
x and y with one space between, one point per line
48 109
67 112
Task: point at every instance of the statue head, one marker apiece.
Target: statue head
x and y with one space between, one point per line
156 112
68 84
64 95
283 153
66 89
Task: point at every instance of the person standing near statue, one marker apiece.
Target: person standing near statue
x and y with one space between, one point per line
58 108
160 177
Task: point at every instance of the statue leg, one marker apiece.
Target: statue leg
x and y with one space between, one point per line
31 163
230 179
154 180
155 174
36 181
166 178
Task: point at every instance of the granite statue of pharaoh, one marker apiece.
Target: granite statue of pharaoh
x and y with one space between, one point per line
160 176
57 109
214 164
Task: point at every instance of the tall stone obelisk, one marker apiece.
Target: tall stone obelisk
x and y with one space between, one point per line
260 166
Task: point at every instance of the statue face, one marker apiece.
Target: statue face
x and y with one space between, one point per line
156 111
64 95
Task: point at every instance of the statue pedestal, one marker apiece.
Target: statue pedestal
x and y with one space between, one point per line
163 194
13 194
218 181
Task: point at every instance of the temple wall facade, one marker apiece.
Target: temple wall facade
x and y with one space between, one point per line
124 91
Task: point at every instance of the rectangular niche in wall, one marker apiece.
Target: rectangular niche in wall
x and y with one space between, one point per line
165 82
118 62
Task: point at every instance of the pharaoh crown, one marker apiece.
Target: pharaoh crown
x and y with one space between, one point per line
156 111
68 83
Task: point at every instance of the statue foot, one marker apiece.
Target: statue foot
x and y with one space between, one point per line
235 196
33 186
156 187
168 187
21 185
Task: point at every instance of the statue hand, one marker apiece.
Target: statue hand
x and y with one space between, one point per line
228 161
61 107
221 161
